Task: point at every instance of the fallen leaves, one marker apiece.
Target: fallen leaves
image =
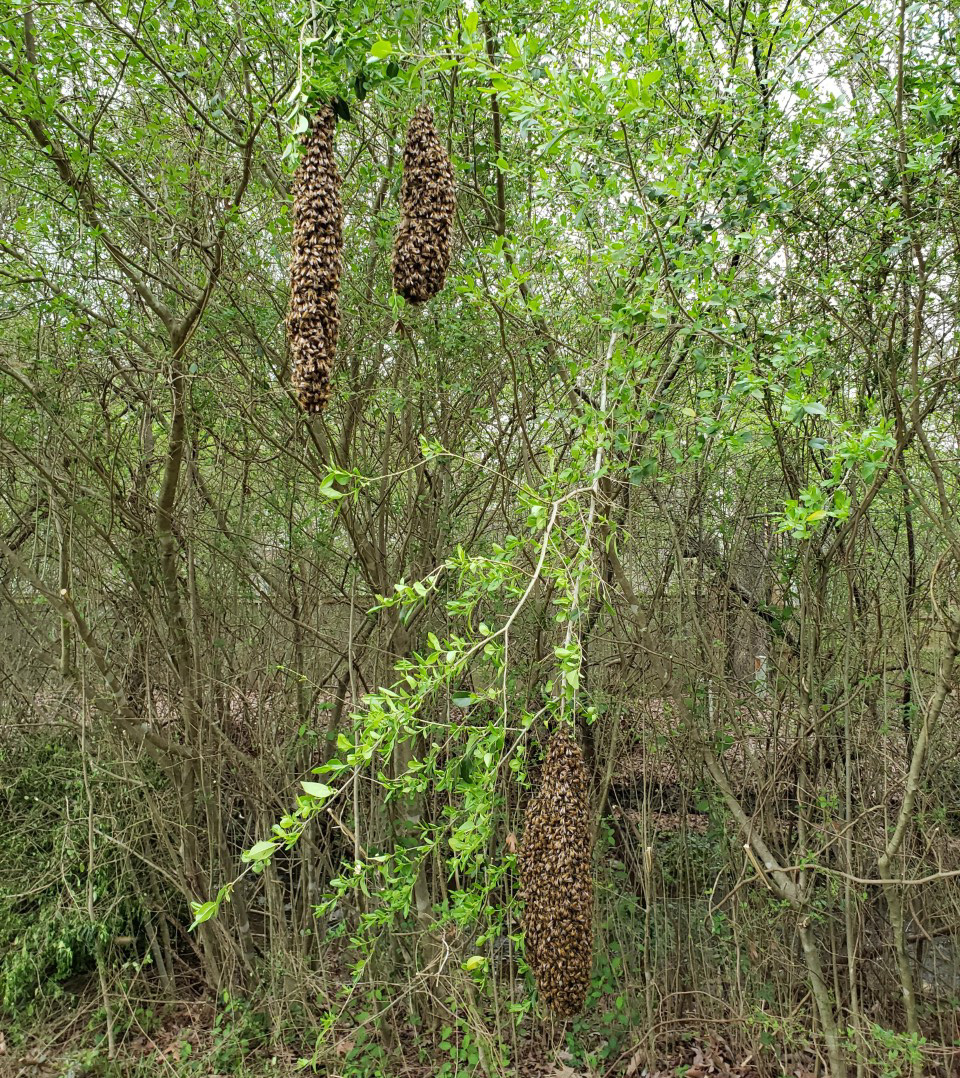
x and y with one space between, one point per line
712 1058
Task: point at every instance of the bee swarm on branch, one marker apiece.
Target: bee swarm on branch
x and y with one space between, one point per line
313 318
421 253
556 879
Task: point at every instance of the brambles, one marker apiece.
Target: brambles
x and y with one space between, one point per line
556 879
313 319
421 252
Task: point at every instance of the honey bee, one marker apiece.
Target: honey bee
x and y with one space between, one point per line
421 253
313 321
555 861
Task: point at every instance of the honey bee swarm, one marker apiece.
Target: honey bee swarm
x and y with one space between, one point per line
313 318
421 252
556 879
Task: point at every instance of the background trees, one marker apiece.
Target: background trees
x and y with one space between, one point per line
672 458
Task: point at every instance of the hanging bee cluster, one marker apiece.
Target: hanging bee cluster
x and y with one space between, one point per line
313 318
421 252
556 881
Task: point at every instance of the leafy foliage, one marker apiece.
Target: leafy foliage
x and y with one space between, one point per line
668 462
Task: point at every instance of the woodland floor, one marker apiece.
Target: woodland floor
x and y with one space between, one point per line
185 1038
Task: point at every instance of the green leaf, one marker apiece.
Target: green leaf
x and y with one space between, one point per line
202 911
472 21
261 851
317 789
381 49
